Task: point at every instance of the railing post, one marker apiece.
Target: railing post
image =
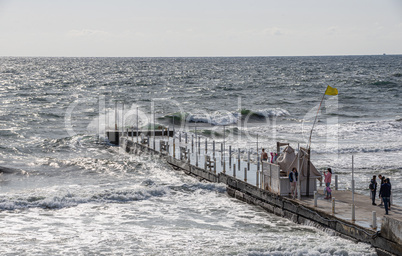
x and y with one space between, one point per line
248 159
230 155
238 159
192 143
336 182
234 170
315 198
256 178
245 174
333 205
374 225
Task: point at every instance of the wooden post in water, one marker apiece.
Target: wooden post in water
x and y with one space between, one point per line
234 170
213 148
206 146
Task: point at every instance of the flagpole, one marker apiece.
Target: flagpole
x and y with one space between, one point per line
315 120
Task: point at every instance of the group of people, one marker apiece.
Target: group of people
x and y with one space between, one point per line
264 156
293 176
384 194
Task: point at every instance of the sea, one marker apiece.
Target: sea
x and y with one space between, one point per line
68 191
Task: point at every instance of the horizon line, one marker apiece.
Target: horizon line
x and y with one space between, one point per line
216 56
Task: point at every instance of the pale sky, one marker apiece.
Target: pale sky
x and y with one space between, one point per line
166 28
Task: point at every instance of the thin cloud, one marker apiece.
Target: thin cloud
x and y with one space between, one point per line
87 33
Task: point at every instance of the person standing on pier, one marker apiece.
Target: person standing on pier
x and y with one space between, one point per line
373 188
385 191
382 179
293 175
264 155
327 180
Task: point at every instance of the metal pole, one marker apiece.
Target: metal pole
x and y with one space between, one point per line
224 146
353 192
213 148
221 152
115 116
248 159
336 182
230 156
206 145
192 143
154 128
199 145
299 171
238 159
256 178
137 125
308 173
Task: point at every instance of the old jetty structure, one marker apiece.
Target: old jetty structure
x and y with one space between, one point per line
266 184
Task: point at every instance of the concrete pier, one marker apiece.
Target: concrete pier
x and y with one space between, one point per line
386 237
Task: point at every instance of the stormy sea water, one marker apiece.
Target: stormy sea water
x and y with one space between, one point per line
69 192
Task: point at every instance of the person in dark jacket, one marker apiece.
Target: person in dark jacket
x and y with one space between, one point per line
382 179
373 188
386 193
390 194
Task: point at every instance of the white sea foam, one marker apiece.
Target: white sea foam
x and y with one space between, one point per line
215 118
272 112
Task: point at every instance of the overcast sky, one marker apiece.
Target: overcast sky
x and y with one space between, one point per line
134 28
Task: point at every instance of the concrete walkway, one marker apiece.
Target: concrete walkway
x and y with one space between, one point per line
343 207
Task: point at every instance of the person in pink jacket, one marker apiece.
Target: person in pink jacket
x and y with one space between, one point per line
327 180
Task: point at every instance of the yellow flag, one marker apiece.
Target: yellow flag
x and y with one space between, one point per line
331 91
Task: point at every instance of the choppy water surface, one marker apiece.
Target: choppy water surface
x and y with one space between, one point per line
73 195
